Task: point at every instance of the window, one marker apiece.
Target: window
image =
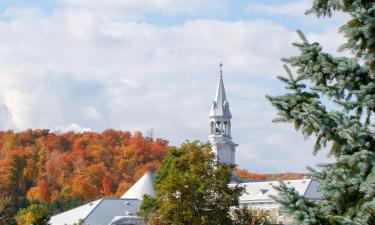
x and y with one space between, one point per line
212 127
218 129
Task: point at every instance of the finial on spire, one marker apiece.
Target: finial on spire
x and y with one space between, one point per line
221 70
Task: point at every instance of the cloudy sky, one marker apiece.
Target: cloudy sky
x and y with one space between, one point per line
153 64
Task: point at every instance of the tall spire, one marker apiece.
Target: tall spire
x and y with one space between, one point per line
220 106
220 126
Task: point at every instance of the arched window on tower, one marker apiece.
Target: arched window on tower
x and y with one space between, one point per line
212 127
218 128
226 128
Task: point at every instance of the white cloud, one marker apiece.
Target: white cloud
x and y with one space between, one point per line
91 112
74 69
294 8
330 41
6 120
73 127
136 10
293 13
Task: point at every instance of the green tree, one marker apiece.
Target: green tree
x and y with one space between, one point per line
148 207
191 188
35 214
244 216
333 99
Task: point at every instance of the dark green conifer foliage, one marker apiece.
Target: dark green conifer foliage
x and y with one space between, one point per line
348 184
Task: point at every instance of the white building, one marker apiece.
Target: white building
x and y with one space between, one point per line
257 196
106 211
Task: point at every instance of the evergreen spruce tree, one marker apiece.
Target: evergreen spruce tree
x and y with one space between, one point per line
347 184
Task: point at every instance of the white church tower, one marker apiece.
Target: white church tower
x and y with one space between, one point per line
220 126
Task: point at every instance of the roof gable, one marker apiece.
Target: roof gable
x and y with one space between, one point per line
98 212
110 208
75 215
143 186
262 191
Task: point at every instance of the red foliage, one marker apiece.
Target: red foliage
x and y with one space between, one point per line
106 186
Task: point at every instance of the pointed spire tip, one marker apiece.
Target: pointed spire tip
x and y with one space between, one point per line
221 70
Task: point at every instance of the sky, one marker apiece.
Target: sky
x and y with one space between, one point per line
154 65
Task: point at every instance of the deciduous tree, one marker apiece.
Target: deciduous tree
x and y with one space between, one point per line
35 214
192 188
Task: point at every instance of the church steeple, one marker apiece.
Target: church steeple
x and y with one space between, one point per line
220 106
220 125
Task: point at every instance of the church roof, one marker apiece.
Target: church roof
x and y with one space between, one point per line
220 106
76 214
262 191
98 212
102 211
143 186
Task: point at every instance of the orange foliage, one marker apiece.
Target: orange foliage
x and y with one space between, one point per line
50 167
244 174
40 192
106 186
287 176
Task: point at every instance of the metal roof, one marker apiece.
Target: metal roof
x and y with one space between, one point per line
99 212
220 106
262 191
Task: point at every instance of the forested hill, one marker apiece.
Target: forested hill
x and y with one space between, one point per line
64 170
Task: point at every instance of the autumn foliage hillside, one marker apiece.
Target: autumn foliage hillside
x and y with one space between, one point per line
244 174
65 170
